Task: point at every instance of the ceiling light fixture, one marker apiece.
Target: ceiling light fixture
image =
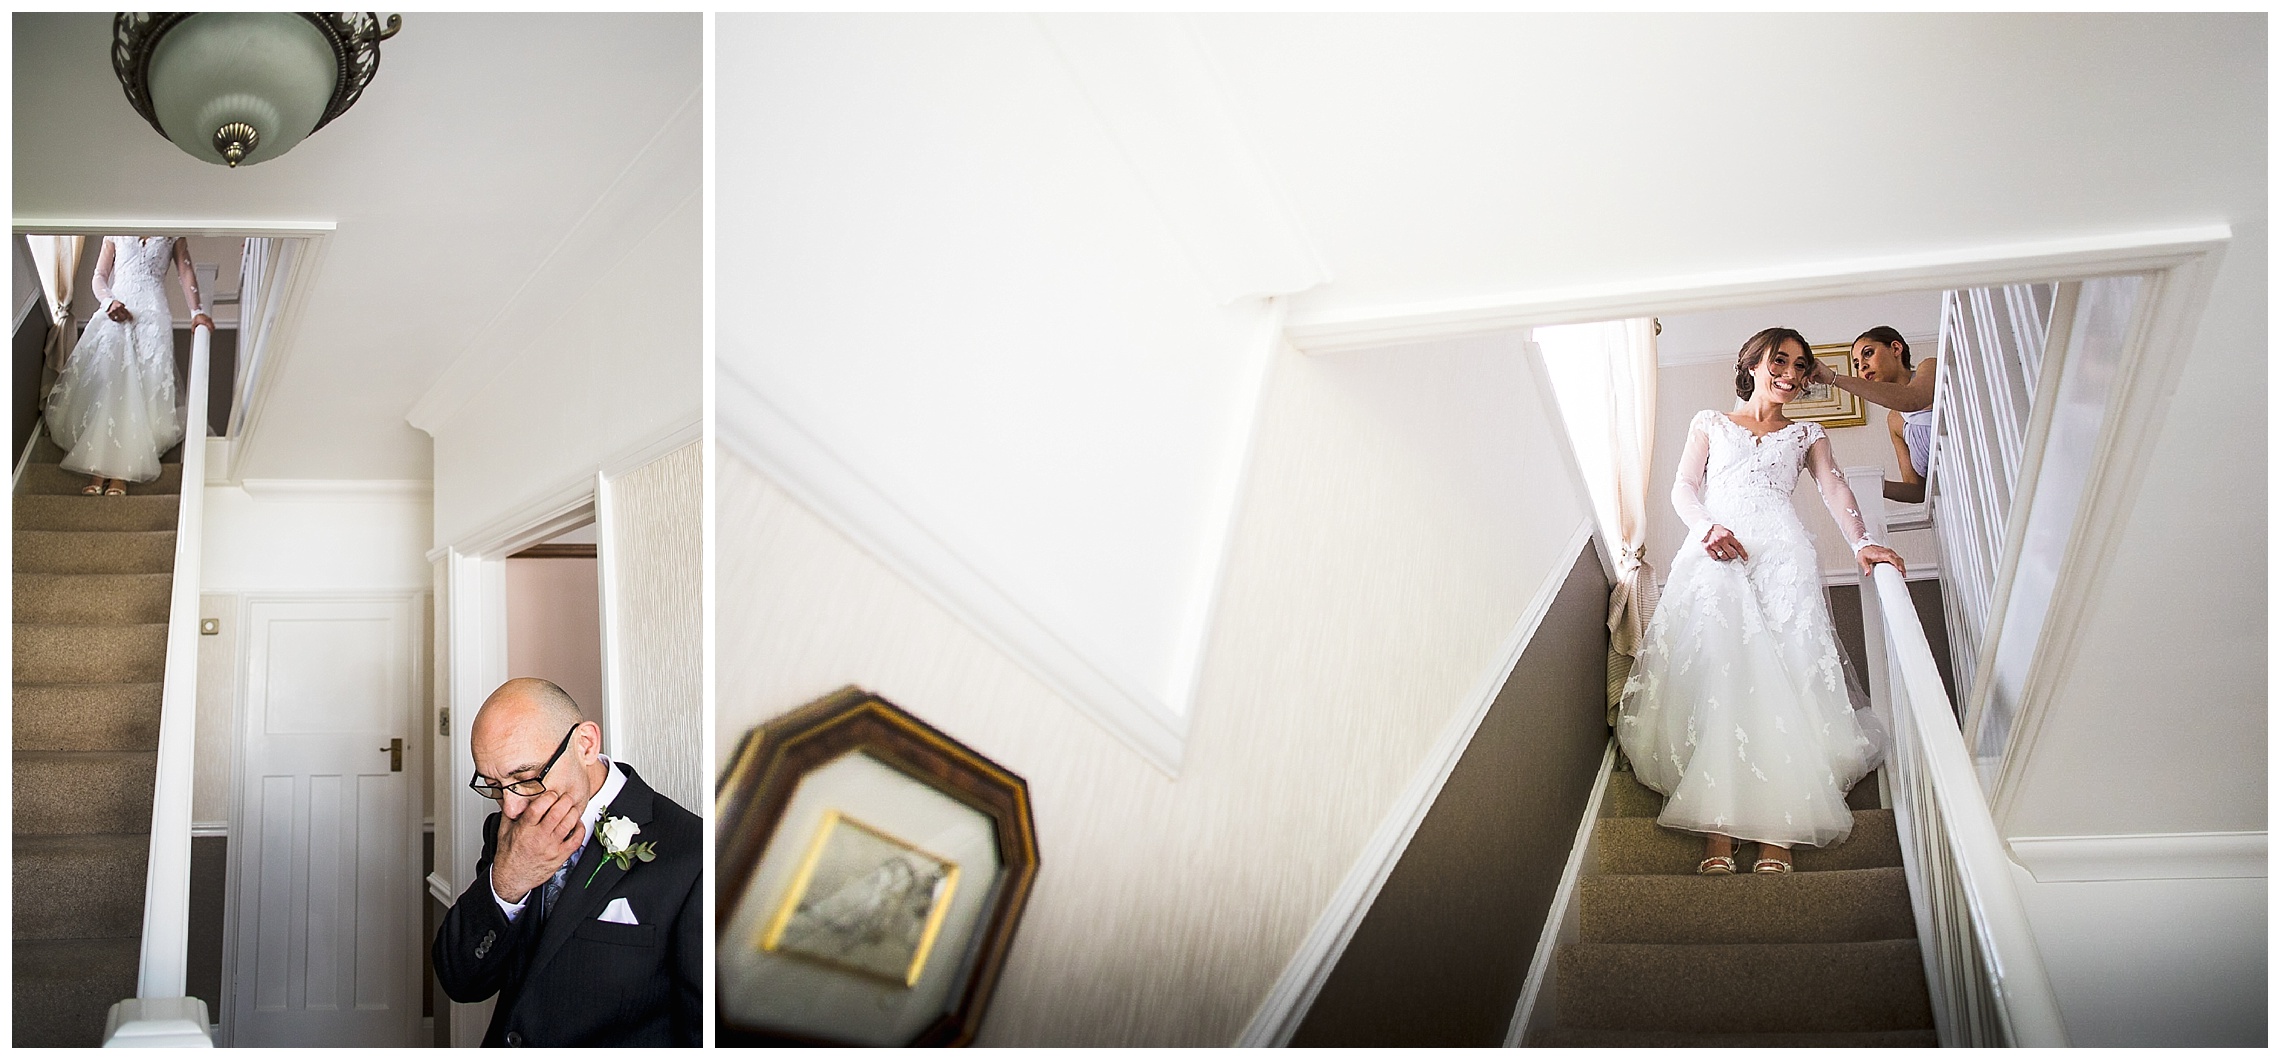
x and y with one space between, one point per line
239 87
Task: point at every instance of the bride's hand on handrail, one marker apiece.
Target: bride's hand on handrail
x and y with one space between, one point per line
1874 554
1721 544
202 320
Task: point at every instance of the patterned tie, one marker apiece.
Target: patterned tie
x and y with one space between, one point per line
553 888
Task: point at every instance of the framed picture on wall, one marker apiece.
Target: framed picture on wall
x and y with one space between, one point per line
871 873
1827 405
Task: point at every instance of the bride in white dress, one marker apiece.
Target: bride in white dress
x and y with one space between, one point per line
114 406
1738 710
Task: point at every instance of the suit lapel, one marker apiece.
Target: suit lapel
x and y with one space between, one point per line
580 899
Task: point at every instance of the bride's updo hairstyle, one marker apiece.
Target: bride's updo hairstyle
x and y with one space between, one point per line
1755 350
1889 336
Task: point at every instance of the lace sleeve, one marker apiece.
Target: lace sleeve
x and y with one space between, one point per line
1821 463
102 283
1686 487
189 274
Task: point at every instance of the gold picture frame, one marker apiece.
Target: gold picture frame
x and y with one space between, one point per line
913 856
1825 404
848 859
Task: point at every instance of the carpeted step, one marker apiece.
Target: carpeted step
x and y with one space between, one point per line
80 886
51 511
71 984
1843 905
53 479
1638 846
1798 987
1591 1038
108 717
95 551
92 599
78 792
1626 797
72 655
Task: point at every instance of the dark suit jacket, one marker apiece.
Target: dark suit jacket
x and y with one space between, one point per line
575 980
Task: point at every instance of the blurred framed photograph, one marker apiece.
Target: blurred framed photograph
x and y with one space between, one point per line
1827 405
872 871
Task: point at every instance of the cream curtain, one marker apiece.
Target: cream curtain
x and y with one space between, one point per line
268 263
56 259
1604 377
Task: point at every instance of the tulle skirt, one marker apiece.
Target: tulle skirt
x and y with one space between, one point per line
114 407
1739 710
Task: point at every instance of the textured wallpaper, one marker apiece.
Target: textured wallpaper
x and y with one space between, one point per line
655 560
1401 510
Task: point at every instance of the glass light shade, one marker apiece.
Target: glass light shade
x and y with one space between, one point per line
271 72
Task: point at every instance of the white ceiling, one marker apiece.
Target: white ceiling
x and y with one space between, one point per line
1456 156
483 140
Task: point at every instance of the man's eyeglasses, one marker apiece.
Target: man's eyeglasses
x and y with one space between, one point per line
525 788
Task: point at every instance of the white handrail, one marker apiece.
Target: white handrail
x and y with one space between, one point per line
1984 971
166 887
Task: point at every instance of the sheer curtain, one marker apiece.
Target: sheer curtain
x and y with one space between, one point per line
56 259
1603 375
261 286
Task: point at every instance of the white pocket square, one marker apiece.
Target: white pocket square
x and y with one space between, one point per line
618 912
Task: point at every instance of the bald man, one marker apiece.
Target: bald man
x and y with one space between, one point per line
579 949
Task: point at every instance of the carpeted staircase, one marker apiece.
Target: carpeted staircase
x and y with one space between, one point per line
1824 956
92 579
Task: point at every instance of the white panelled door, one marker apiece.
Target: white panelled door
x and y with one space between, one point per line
325 857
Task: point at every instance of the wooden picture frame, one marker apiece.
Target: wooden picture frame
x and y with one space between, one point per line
905 795
1825 404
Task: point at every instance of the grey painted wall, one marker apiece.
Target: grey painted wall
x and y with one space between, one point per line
1442 954
1844 612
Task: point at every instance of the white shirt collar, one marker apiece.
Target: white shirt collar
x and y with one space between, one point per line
602 799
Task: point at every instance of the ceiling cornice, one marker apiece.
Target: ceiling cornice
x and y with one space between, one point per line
1969 266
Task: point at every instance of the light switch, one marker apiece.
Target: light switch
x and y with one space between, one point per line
209 627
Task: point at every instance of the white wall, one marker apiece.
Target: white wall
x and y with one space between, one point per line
2155 962
294 537
956 282
1401 511
612 383
653 557
2170 674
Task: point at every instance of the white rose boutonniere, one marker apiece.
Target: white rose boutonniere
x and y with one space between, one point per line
618 845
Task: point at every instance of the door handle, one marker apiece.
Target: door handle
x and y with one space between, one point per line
395 751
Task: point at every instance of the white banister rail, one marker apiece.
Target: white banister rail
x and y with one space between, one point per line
1986 973
1992 345
166 891
1984 970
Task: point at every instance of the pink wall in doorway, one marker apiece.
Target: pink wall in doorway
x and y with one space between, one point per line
554 627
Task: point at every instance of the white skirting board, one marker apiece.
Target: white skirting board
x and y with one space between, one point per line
1564 923
2171 856
1286 1003
24 460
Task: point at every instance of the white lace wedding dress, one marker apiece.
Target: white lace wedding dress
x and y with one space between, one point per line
114 406
1738 708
